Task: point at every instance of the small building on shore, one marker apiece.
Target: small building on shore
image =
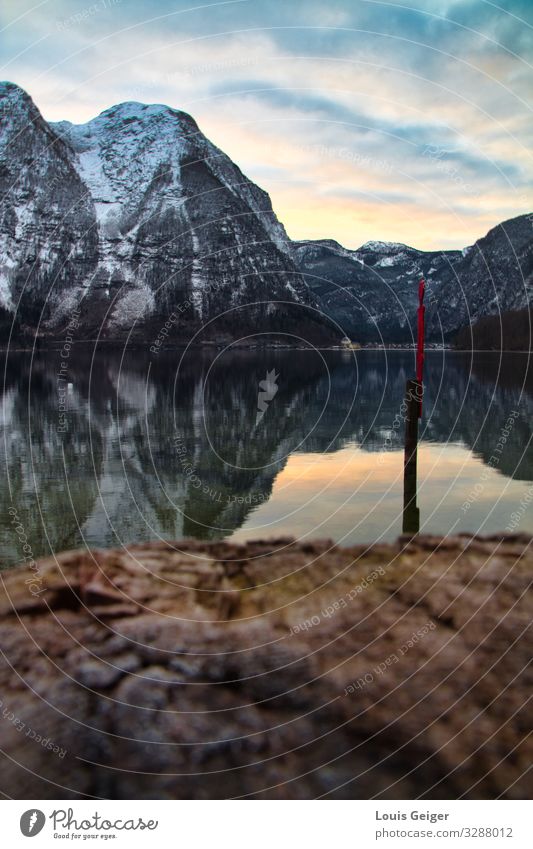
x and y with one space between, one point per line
348 345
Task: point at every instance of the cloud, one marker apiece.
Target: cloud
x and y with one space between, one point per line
373 117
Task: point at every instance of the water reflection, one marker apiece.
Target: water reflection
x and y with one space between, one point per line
114 449
414 394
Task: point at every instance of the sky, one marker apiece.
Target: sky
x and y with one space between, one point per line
364 120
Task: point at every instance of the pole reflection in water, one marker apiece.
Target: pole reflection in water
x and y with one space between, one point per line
411 512
414 391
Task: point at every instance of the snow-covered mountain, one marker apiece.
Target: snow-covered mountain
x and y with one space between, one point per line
493 276
136 217
132 217
372 292
48 237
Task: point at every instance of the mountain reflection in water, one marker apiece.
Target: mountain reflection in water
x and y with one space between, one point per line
167 446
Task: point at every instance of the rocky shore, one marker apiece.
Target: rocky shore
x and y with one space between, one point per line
269 670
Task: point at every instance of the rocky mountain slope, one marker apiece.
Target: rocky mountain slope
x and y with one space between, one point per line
372 292
48 235
136 217
494 275
131 217
507 331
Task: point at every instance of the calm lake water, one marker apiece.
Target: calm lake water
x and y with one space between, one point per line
109 449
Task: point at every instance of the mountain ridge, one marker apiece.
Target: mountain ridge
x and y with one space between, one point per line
163 219
372 293
136 213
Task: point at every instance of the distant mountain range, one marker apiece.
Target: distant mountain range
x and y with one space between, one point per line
372 292
136 217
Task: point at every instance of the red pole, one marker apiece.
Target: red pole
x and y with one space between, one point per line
420 338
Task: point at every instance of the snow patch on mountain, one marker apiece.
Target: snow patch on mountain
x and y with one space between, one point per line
383 247
120 150
5 291
137 303
389 261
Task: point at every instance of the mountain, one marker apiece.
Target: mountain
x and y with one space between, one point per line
135 225
507 331
48 237
495 275
134 217
372 291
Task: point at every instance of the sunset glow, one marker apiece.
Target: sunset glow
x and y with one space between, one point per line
366 121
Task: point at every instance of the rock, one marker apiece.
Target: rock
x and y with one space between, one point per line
269 670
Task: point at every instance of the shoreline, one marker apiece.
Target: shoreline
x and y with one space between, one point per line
207 346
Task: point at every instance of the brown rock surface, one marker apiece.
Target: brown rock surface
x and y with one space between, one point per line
269 670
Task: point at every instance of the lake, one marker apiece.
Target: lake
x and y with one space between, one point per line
109 448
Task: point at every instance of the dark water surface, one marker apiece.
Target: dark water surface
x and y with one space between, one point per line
110 449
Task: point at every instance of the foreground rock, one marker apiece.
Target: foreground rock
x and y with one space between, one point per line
272 670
